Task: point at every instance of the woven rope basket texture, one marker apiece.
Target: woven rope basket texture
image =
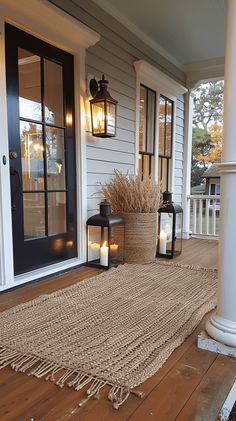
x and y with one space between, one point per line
140 237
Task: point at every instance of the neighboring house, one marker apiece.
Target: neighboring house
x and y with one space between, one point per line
200 189
49 51
212 177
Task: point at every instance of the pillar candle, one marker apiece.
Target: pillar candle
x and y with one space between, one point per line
104 255
162 242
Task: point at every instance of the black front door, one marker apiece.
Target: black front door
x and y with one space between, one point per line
42 151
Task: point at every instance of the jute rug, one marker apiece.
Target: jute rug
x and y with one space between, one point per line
115 329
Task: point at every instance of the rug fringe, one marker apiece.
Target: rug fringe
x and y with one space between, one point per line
192 267
34 366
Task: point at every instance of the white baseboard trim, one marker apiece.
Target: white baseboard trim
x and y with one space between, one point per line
43 272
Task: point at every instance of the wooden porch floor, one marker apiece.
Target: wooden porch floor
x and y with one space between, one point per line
192 384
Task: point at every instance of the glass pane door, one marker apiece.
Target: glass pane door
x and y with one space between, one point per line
40 96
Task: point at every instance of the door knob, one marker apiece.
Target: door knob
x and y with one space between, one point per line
13 155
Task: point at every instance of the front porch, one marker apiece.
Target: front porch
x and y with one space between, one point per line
192 384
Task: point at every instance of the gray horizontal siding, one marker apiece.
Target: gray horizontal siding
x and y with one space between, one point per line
114 56
106 155
121 38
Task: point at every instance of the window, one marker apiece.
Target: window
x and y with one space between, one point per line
147 123
147 131
165 140
214 189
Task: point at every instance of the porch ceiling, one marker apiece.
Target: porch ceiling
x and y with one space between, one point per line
185 31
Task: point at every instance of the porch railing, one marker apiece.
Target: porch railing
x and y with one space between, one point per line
204 215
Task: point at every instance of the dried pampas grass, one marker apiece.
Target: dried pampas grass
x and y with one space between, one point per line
131 194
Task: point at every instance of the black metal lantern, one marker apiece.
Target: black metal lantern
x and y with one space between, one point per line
105 238
170 228
103 109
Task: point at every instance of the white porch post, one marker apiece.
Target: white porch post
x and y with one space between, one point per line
222 325
188 130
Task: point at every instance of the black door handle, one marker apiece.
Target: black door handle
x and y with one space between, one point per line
14 172
13 155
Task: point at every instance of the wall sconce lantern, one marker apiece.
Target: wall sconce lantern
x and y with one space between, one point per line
105 238
170 228
103 109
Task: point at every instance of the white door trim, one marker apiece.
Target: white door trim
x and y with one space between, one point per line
44 21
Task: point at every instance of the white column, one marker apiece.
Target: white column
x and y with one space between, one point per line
188 131
222 325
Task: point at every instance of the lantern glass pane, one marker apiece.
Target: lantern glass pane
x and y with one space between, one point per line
116 245
165 233
98 245
98 115
111 118
178 232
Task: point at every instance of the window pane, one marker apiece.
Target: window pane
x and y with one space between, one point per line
169 122
151 121
111 118
34 215
56 212
159 169
29 85
32 156
146 166
98 117
162 126
53 93
142 119
140 165
55 158
164 175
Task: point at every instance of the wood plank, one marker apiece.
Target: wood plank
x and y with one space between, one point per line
33 290
169 397
207 399
23 398
104 409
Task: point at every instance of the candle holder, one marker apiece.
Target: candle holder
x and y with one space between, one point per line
105 238
170 228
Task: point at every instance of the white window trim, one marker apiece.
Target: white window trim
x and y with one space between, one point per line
38 18
158 81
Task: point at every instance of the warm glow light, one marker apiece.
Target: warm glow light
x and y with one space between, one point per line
38 148
59 166
69 244
82 111
99 121
58 245
95 246
69 119
88 126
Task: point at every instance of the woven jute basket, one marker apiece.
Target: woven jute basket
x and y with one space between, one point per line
140 237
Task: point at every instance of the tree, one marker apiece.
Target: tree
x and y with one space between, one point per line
200 149
207 128
208 104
